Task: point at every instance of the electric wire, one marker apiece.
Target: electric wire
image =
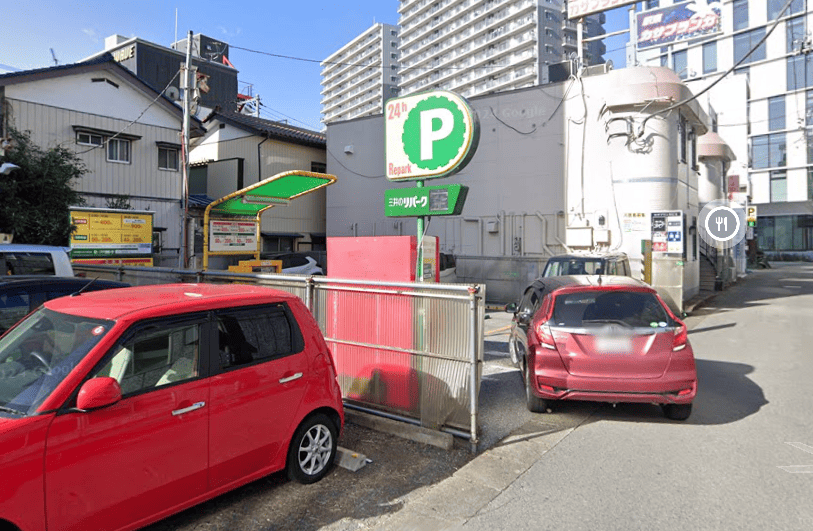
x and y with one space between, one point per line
108 139
723 76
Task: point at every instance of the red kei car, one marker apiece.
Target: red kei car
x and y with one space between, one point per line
604 339
121 407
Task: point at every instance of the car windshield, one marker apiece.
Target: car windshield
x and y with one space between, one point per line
39 353
628 308
574 266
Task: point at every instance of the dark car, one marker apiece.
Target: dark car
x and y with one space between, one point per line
20 295
588 264
603 339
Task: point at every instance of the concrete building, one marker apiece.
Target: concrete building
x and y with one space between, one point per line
125 132
362 75
565 166
474 48
764 110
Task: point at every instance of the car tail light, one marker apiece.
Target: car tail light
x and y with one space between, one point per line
684 392
545 337
681 336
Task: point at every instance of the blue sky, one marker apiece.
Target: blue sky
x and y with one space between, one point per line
289 89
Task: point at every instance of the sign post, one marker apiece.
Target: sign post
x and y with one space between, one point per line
428 136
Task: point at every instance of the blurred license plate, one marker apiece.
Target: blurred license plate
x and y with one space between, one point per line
613 345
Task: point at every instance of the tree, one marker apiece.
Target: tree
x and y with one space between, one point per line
36 197
121 202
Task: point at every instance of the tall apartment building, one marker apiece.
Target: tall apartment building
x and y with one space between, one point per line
362 75
479 47
763 110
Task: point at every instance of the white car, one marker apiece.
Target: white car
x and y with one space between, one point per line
24 259
297 264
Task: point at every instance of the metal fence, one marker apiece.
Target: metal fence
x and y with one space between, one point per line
411 351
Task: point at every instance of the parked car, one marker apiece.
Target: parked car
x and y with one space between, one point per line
23 259
604 339
296 263
448 268
121 407
587 264
20 295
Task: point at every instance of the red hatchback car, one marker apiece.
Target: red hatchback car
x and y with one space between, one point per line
121 407
604 339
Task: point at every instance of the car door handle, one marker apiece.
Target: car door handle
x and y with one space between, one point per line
290 378
193 407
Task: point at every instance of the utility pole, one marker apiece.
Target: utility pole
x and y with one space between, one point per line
186 85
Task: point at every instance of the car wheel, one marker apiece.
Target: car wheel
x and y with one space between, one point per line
677 411
534 403
312 449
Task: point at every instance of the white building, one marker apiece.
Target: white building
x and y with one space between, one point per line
475 47
763 110
362 75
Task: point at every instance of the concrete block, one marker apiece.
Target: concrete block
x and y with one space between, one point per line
400 429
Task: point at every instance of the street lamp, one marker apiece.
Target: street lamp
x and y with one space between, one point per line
7 168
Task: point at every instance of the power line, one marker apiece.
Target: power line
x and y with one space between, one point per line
126 127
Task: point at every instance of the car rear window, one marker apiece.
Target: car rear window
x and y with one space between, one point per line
27 263
247 336
573 267
630 308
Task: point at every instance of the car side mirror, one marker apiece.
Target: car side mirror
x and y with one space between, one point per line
511 307
98 392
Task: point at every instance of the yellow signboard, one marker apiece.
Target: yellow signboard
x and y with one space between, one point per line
104 233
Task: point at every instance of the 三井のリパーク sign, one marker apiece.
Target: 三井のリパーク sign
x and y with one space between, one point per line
428 135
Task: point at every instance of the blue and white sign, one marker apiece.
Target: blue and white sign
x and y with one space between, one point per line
678 22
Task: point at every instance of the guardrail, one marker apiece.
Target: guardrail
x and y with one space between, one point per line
411 351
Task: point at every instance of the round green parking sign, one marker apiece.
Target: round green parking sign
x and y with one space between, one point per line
429 135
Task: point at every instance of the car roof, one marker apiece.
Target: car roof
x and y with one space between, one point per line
30 248
572 256
165 299
549 284
30 280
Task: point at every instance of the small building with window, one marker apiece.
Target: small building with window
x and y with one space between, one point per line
239 150
126 133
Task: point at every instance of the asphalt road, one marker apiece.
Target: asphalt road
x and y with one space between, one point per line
744 459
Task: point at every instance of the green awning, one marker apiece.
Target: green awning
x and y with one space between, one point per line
277 190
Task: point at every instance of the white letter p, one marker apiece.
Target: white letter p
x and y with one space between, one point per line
429 136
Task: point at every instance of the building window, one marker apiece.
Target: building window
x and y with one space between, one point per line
775 6
710 57
740 14
809 182
652 4
795 29
89 139
118 150
776 113
168 159
743 43
680 64
681 138
785 233
800 71
768 151
318 167
779 186
693 151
